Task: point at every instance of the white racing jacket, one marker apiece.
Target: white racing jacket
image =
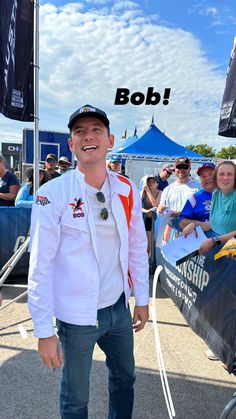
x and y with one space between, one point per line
64 273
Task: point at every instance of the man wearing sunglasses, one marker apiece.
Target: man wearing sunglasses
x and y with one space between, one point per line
166 171
176 194
50 165
88 252
114 164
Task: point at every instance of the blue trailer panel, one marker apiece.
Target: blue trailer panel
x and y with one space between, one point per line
49 142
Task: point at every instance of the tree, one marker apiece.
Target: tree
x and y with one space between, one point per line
203 149
227 152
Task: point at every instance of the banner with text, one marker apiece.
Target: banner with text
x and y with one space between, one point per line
204 290
227 124
16 59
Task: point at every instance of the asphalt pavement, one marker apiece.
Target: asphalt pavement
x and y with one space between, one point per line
200 388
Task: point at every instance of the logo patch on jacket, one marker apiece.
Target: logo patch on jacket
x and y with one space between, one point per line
77 208
42 200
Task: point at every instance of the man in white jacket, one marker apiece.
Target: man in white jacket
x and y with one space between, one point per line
88 252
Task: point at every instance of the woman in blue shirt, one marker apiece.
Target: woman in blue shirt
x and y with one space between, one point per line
25 197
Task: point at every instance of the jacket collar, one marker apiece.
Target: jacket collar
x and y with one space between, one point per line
117 185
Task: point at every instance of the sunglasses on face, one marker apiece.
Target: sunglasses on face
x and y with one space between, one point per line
50 161
104 212
169 173
182 166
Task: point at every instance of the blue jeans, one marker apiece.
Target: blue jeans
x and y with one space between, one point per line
114 335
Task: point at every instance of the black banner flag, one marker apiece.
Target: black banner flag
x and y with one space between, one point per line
227 124
16 59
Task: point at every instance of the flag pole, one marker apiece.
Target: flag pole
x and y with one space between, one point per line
36 95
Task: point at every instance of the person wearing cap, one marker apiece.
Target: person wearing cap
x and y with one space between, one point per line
9 185
88 252
166 171
196 211
175 195
51 164
114 164
64 165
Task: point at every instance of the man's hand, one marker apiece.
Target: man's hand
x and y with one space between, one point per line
161 208
50 351
140 317
175 214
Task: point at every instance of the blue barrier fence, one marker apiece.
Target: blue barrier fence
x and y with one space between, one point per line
14 229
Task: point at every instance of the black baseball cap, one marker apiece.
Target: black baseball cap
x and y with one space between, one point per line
182 160
88 111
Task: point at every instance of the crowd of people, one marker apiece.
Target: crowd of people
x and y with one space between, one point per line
189 200
90 243
22 196
210 203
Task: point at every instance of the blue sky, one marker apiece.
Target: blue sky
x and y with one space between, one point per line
213 22
89 48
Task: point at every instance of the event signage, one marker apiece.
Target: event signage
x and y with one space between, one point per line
16 58
227 124
11 149
204 290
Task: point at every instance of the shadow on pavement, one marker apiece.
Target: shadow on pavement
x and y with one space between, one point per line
30 391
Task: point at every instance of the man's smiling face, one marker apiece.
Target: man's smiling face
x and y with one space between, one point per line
90 140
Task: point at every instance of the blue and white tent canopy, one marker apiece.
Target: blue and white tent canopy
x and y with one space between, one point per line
155 145
130 140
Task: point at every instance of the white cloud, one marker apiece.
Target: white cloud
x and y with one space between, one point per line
221 17
122 5
212 11
97 2
85 55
